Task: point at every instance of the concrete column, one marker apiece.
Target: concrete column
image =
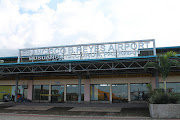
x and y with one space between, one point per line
110 93
129 92
153 83
87 90
157 79
16 90
65 86
49 92
30 89
93 98
79 95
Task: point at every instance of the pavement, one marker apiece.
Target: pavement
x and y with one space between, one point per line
47 117
66 111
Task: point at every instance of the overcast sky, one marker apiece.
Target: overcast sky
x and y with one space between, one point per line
40 23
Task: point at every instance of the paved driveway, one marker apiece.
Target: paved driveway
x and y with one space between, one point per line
53 117
78 110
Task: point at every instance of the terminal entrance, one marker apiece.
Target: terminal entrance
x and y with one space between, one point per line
41 92
57 93
73 92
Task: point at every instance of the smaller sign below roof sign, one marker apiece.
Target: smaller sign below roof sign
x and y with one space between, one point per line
87 51
57 82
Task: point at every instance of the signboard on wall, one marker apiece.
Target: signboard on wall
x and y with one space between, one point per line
87 51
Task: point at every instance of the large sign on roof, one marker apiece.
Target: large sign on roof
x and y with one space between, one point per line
87 51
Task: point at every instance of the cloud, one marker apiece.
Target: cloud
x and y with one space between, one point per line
30 5
33 23
153 19
76 18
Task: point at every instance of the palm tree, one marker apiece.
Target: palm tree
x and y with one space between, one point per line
164 64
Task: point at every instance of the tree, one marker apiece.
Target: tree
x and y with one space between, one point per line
163 65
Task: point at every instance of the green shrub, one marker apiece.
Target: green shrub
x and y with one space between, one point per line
159 97
177 95
150 91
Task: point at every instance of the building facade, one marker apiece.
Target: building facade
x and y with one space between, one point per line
104 72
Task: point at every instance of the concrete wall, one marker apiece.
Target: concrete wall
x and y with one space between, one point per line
164 110
171 79
101 79
30 89
13 82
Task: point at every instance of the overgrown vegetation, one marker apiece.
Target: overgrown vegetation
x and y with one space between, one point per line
163 98
158 96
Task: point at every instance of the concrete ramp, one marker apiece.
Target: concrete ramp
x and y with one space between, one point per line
96 109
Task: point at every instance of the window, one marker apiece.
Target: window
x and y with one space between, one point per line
139 91
173 87
119 92
40 89
10 89
73 91
100 92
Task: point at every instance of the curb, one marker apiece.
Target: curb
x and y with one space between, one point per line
82 117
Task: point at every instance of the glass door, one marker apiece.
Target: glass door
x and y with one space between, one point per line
57 92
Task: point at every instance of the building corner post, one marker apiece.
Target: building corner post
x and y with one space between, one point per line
50 98
87 90
79 95
129 93
157 79
16 90
65 87
30 89
111 93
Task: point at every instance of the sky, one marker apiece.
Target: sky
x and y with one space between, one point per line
42 23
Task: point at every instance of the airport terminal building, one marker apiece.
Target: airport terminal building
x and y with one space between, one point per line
86 73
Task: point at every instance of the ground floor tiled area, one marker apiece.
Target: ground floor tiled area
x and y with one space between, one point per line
71 109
